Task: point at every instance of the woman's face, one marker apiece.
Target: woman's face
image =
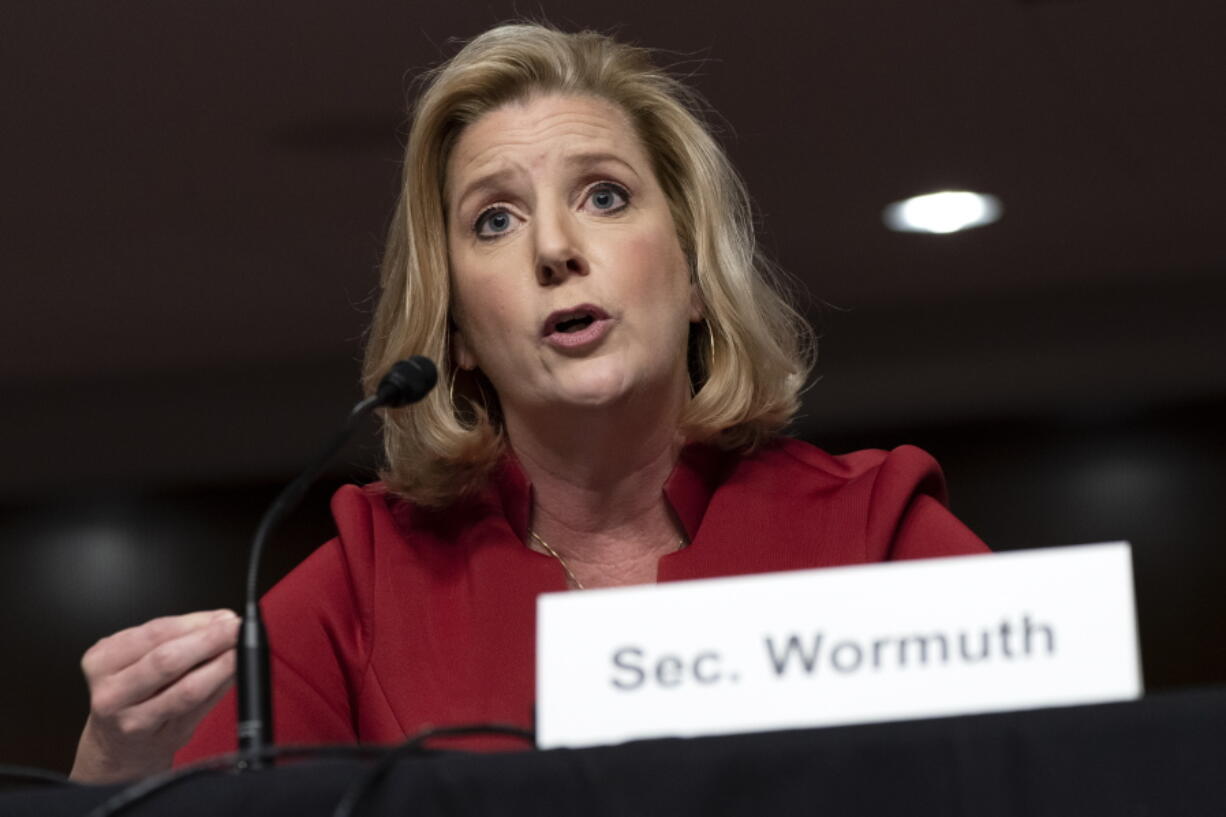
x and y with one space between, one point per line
569 285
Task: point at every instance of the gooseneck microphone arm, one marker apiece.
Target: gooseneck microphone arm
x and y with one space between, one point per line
407 382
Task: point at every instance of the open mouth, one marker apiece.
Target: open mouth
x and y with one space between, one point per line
574 320
573 324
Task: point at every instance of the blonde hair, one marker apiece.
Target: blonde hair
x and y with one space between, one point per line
749 358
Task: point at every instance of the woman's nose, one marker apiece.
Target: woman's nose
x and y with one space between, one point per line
559 254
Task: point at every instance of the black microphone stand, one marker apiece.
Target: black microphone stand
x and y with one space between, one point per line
407 382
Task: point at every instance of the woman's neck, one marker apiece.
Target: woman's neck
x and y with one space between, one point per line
598 493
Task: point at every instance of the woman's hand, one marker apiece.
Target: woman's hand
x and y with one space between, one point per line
149 686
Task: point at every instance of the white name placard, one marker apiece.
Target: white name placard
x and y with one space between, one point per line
959 635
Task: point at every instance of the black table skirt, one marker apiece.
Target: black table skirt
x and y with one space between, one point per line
1163 756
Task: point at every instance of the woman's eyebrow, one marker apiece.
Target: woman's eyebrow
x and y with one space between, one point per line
499 179
590 159
492 181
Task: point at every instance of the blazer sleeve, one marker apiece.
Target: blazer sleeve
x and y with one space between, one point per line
908 513
927 529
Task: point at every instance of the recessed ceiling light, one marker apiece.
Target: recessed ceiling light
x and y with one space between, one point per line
945 212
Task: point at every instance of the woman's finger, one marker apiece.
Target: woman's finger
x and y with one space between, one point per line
126 647
162 666
181 705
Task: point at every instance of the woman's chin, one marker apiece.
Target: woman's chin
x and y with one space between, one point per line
606 384
595 389
591 398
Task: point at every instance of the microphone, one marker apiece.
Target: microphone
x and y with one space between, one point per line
407 382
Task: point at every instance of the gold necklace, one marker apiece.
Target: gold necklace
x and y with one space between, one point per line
570 574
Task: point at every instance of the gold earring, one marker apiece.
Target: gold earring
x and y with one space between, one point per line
711 340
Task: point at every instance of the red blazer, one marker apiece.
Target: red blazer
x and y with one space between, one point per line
412 617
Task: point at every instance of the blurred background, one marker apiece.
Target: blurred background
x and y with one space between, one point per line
195 195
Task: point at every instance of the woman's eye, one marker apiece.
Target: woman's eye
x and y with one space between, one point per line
493 223
607 197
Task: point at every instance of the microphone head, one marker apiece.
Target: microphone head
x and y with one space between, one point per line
407 382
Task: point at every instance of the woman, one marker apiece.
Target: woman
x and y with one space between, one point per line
575 251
